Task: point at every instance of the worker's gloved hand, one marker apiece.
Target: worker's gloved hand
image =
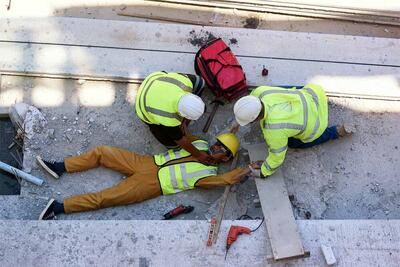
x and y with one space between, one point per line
255 168
205 158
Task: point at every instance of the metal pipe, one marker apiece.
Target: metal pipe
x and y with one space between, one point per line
21 174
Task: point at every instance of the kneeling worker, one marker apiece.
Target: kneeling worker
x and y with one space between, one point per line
147 176
296 118
166 102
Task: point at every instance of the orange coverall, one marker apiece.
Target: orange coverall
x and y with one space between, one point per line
141 183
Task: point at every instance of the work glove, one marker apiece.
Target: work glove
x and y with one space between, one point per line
255 172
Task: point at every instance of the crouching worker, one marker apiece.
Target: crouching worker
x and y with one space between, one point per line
166 102
295 118
147 176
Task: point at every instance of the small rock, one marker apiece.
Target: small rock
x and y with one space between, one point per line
58 193
331 228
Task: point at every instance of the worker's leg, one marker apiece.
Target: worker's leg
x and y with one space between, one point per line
117 159
329 134
133 189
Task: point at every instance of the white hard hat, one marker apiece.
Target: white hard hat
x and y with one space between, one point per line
247 109
191 106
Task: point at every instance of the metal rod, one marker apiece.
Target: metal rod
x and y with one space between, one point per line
21 174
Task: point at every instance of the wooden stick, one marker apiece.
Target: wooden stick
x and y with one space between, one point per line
222 204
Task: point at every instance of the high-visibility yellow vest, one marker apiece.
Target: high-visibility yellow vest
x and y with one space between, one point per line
178 177
299 113
158 96
173 154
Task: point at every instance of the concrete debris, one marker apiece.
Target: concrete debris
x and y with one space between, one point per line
328 254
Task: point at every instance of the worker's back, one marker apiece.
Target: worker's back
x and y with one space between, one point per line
300 113
158 96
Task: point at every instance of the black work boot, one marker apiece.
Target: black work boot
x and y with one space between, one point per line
52 208
55 169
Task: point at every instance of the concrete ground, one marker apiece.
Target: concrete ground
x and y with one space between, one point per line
352 178
145 243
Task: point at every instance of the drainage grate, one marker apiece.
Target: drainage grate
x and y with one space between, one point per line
8 183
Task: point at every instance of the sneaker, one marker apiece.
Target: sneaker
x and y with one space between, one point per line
48 212
50 167
346 129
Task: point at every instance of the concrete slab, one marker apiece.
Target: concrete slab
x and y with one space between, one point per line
359 80
163 243
188 38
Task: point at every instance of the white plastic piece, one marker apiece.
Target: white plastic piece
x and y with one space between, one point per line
328 254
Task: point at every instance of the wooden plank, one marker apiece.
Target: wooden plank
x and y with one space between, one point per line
180 38
343 79
281 225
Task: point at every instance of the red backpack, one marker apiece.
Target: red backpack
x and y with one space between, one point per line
222 72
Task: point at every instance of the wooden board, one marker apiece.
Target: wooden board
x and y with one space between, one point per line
281 225
180 38
113 63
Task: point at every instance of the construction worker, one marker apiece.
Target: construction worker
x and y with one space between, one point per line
296 118
147 176
166 102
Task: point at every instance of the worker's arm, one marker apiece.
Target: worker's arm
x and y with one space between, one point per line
202 156
277 147
228 178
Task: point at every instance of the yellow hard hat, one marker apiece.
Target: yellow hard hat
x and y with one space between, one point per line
230 141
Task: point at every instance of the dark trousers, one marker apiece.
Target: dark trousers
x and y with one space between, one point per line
329 134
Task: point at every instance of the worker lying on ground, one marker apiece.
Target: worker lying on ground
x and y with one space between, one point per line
147 176
296 118
166 102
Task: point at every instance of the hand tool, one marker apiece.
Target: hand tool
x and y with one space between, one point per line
178 210
212 114
234 232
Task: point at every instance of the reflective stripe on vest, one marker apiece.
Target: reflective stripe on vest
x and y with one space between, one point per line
183 176
173 154
144 91
316 126
145 109
156 111
300 127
